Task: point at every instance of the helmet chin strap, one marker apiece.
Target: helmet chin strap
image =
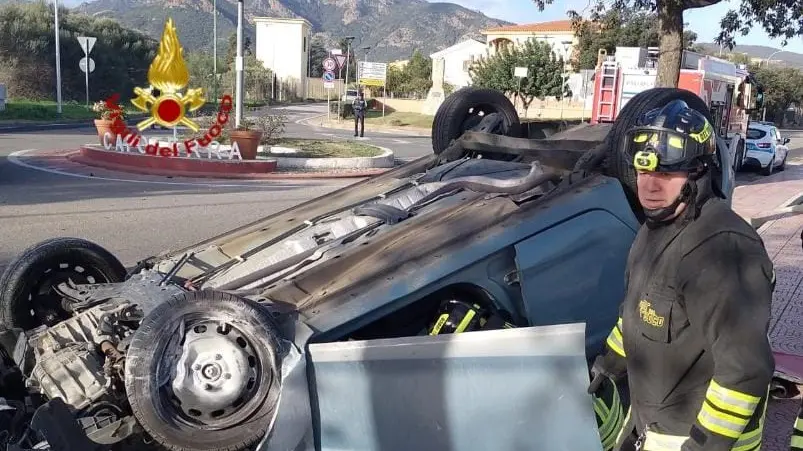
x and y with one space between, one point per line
688 194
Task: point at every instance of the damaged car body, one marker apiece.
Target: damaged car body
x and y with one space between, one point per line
227 344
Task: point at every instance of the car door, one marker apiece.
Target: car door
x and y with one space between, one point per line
520 388
782 148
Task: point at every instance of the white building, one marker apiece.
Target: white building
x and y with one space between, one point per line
559 34
283 45
457 59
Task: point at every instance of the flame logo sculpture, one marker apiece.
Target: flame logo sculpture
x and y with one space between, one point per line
168 75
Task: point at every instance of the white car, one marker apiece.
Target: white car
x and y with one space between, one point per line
765 147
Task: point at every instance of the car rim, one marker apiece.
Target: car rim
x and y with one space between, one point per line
45 303
217 375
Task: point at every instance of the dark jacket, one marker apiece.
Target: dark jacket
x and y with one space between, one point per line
359 106
692 335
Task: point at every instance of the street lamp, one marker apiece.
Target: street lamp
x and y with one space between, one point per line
58 59
348 55
238 109
771 55
214 45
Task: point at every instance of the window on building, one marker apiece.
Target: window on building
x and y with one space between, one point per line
304 45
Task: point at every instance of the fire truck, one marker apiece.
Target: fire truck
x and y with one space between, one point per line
728 89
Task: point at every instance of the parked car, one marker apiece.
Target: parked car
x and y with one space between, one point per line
765 147
350 95
324 323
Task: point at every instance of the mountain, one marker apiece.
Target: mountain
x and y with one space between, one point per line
757 52
392 28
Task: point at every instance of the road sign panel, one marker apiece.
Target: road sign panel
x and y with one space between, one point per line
82 64
328 85
87 42
340 60
329 64
372 74
336 52
328 76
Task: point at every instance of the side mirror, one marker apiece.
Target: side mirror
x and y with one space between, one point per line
786 140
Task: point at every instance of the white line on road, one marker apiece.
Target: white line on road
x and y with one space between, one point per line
401 141
15 159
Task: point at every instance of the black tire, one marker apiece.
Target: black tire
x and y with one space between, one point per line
461 111
739 155
242 422
620 165
27 283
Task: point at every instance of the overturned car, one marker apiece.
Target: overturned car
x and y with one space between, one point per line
228 344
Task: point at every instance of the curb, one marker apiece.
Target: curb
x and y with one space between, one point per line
789 208
385 160
74 156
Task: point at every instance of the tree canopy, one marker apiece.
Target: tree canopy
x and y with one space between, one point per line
544 72
412 80
779 18
618 28
27 54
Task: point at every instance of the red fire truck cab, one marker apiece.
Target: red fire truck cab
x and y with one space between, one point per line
728 89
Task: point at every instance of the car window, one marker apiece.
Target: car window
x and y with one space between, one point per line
754 133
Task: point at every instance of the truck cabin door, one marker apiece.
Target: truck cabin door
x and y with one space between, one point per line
727 112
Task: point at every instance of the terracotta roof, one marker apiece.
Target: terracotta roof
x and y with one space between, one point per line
564 26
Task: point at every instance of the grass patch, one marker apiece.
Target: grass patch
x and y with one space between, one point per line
323 148
31 110
398 119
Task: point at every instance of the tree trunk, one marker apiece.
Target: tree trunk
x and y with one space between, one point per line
670 20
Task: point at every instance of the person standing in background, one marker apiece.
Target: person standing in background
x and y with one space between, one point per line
359 106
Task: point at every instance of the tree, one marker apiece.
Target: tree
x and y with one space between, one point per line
318 53
231 52
618 28
783 87
779 18
544 72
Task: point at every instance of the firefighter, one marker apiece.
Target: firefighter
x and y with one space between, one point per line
692 330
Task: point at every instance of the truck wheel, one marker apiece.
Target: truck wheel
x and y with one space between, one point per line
203 372
27 298
620 165
465 108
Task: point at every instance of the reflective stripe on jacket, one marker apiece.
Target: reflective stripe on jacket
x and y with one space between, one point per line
796 443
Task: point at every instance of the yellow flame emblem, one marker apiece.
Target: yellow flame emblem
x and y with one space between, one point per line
168 74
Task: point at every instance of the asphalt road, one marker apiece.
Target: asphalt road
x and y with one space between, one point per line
135 217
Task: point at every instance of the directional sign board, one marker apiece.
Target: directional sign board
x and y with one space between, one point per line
87 42
83 62
329 64
372 74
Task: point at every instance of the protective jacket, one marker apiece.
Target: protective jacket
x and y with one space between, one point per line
692 333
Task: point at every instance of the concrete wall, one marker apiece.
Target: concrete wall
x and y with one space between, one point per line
539 109
457 59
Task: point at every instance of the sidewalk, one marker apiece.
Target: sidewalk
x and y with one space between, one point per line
348 124
782 239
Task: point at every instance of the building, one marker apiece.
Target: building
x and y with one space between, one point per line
559 33
457 59
282 45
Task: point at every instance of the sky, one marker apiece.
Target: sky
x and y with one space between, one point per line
698 20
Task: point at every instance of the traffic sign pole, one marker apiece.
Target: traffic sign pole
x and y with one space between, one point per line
86 72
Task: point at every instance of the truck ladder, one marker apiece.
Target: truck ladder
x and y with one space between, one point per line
607 94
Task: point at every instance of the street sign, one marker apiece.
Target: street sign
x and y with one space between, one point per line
329 85
372 74
340 60
83 62
520 72
328 76
87 42
336 52
329 64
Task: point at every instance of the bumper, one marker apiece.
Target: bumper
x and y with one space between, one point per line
757 158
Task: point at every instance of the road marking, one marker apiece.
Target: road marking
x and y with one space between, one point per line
14 158
401 141
309 118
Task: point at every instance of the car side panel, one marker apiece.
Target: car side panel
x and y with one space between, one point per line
575 273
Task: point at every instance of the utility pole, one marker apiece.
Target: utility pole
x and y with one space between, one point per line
214 45
58 59
348 55
238 109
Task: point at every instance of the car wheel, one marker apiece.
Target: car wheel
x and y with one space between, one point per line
27 296
465 109
739 156
769 169
202 372
620 165
783 163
